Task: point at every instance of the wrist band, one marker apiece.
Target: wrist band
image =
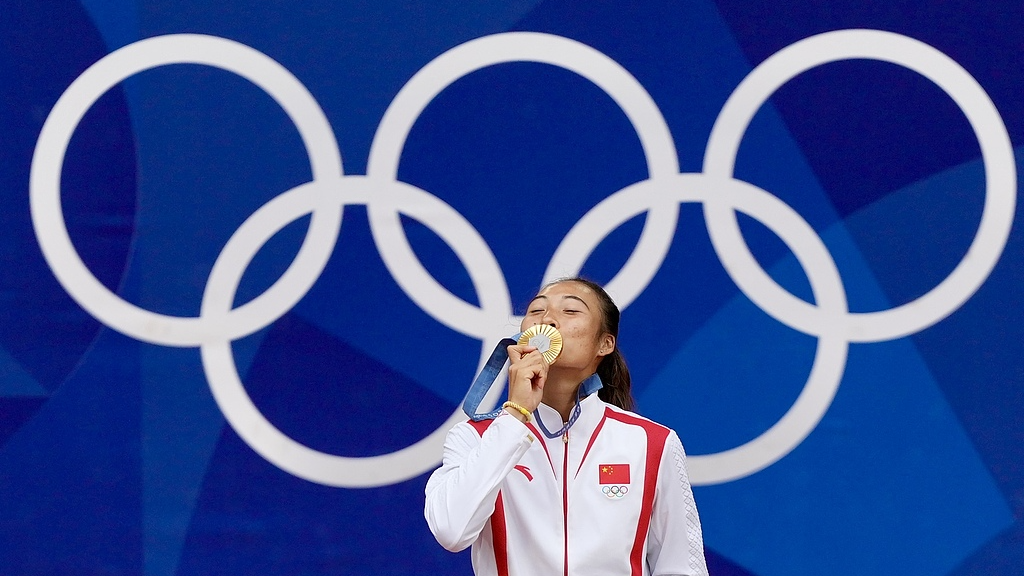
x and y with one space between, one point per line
518 408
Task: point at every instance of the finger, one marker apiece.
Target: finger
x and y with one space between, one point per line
517 352
540 379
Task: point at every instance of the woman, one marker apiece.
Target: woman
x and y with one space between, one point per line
566 481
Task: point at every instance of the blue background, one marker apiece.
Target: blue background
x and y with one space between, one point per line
114 458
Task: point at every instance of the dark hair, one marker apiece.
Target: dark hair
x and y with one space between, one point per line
613 370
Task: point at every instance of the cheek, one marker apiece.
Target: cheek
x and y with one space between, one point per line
578 337
572 331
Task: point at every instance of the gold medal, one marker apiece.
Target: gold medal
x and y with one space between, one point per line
545 338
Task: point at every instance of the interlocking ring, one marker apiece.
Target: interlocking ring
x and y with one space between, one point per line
721 195
614 491
996 152
48 161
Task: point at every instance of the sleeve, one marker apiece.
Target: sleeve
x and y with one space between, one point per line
461 494
676 544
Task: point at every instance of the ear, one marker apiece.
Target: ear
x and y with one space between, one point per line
607 345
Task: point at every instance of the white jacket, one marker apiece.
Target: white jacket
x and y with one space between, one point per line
613 498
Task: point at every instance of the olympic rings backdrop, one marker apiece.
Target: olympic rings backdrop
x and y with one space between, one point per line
255 252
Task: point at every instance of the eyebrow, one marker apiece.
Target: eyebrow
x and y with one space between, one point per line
535 298
577 298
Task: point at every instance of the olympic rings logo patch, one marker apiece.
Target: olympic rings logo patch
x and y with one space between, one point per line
386 198
614 492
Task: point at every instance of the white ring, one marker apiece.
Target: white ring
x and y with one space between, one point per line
60 125
996 151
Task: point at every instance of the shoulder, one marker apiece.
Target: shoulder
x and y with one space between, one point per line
479 426
465 434
659 437
474 429
633 419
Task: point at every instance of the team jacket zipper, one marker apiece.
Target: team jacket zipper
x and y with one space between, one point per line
565 498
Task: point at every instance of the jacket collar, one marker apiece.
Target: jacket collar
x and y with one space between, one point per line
591 411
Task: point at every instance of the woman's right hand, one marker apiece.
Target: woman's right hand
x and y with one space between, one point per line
527 373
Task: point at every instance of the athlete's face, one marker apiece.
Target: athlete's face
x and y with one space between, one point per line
575 311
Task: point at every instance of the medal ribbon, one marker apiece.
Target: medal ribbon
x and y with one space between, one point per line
485 379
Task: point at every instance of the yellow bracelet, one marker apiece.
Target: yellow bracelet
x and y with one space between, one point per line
520 409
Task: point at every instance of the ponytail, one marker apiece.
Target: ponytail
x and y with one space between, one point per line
615 377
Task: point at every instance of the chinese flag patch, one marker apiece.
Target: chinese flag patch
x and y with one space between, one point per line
614 473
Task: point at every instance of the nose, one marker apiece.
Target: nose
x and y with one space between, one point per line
549 320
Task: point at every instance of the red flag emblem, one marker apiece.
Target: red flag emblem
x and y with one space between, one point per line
613 473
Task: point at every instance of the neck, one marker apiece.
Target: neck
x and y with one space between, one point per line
560 392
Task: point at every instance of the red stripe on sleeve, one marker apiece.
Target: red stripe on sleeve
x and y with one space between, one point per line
500 537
